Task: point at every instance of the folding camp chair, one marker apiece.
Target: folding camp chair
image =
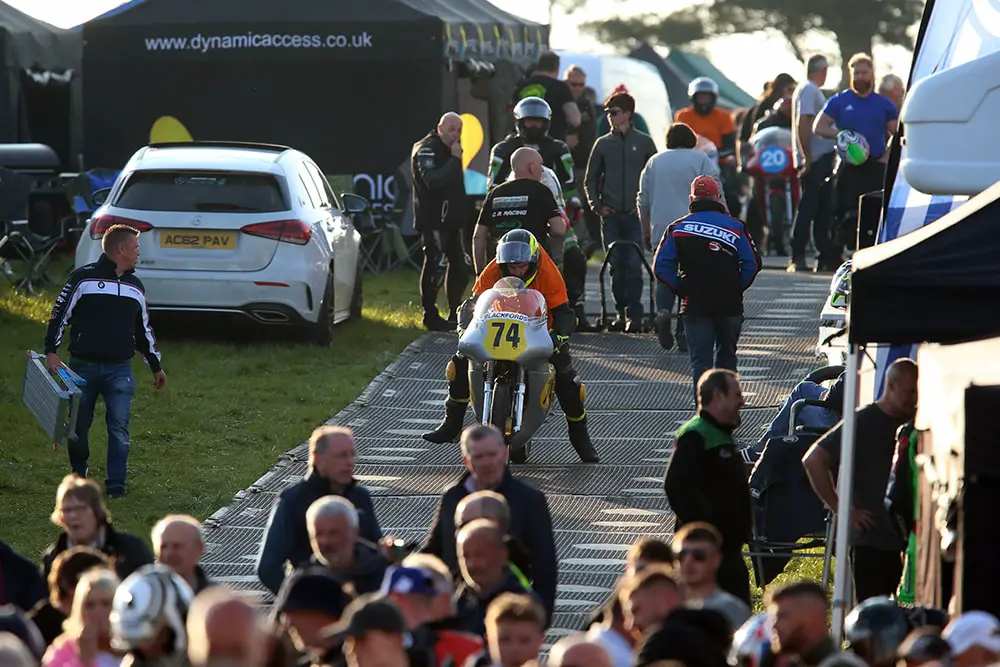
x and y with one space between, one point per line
787 510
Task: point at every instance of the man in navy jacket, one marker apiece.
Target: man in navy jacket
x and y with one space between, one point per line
331 472
709 260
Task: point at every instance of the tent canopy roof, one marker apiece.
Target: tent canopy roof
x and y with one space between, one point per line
694 66
938 284
474 25
30 43
677 78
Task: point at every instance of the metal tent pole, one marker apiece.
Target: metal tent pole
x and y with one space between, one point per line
845 490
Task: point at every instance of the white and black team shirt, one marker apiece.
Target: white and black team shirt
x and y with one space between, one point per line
107 316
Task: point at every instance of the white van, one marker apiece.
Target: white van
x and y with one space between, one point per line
604 72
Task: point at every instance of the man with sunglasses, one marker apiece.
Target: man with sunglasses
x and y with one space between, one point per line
698 549
612 186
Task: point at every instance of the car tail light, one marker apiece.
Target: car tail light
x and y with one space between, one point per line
285 231
102 223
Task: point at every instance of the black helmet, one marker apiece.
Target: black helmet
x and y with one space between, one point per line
518 246
537 108
919 615
875 629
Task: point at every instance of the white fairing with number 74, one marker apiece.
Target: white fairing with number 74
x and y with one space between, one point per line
508 346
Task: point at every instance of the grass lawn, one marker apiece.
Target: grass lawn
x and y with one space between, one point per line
227 412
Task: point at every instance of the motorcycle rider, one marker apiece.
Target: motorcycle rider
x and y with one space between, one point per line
439 213
532 119
711 122
520 255
148 616
779 115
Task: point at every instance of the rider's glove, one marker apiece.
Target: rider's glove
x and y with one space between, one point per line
558 341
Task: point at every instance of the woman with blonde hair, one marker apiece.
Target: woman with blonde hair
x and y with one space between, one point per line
86 638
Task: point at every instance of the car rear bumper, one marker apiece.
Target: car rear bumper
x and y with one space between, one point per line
269 301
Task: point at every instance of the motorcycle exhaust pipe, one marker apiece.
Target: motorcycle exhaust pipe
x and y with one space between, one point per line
519 401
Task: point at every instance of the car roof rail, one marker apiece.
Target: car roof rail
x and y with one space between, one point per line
277 148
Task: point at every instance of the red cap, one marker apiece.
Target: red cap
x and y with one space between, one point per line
705 187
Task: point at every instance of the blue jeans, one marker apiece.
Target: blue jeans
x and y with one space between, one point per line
711 343
665 297
115 383
626 267
808 415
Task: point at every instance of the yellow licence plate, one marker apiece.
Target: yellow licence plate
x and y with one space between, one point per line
184 238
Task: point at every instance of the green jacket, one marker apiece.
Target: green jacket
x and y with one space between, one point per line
706 480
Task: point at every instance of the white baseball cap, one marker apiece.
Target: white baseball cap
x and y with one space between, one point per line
973 628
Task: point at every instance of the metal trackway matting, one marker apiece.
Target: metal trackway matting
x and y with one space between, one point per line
638 394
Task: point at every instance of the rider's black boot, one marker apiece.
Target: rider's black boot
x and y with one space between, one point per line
451 427
580 439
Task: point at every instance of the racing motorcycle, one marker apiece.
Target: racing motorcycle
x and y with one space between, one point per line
777 184
508 346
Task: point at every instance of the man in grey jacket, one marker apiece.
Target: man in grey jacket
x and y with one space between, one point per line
612 185
663 198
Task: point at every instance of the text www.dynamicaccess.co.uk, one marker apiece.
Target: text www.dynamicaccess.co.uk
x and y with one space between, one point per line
252 40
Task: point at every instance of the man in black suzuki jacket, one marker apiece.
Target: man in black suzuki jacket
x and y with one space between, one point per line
439 214
708 258
331 472
105 306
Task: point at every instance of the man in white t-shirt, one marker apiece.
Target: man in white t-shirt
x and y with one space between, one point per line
698 549
814 160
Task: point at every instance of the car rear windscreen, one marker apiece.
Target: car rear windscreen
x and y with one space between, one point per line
202 191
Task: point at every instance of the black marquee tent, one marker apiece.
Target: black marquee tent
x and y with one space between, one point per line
353 83
38 91
940 283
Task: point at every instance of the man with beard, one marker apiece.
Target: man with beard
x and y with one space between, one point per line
706 478
872 115
877 547
799 633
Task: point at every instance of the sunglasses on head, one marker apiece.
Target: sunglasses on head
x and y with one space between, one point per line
699 555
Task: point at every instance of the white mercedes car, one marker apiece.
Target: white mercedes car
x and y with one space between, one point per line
237 228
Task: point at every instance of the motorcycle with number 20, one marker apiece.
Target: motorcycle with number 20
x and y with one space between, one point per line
508 346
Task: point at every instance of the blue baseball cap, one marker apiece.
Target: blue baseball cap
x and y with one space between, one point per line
409 581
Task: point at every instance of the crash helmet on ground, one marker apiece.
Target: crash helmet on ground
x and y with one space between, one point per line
840 286
752 642
150 600
518 246
875 629
532 108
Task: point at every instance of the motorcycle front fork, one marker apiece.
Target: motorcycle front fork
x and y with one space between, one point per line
519 390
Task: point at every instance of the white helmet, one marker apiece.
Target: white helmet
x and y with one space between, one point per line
703 84
752 642
151 599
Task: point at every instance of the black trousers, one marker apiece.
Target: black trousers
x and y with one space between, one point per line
877 572
574 272
733 576
852 182
444 264
567 384
814 209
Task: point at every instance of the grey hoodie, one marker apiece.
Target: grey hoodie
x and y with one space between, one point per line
616 161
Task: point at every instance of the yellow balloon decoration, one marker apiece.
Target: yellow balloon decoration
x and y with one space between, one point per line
168 129
472 138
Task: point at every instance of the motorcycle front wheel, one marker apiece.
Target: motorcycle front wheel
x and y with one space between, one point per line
501 416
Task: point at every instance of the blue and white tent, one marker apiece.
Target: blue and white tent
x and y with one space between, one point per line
952 32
